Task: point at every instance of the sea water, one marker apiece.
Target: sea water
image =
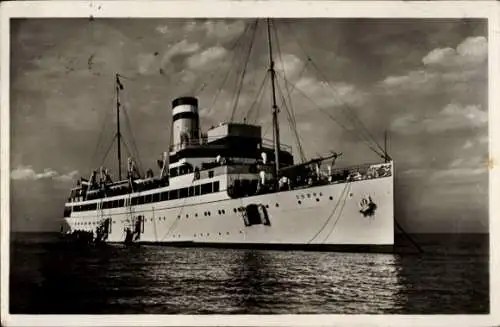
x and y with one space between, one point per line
48 277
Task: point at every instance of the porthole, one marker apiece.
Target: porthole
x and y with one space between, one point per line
331 197
227 233
308 195
277 204
241 232
302 196
208 234
220 233
223 211
194 235
234 209
201 234
196 215
187 216
300 202
314 194
267 206
320 194
317 199
179 217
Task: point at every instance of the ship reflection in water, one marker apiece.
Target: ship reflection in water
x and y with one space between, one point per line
451 277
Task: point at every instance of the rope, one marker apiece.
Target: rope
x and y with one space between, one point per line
292 125
330 116
258 98
240 84
219 90
217 69
338 217
331 214
408 237
368 135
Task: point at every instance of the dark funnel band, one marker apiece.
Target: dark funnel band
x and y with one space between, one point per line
185 100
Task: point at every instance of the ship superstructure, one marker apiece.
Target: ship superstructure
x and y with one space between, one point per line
230 187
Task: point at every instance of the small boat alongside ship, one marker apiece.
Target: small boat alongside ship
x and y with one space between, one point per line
229 187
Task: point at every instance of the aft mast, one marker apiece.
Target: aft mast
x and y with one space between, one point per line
276 131
119 86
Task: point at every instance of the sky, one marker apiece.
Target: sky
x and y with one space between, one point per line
423 81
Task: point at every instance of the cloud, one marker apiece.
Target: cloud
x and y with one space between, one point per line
444 70
180 48
453 116
290 64
472 50
222 30
330 94
163 29
199 60
145 62
28 173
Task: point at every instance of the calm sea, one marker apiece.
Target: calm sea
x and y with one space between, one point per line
452 276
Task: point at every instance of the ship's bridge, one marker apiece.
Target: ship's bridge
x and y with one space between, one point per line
237 141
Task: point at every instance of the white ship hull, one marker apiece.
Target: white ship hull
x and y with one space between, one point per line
323 216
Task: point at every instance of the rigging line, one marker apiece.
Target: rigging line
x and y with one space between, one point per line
259 94
240 67
233 57
284 72
331 214
138 165
293 127
291 113
259 105
240 86
129 126
347 108
130 130
231 49
326 80
331 116
109 149
364 129
101 135
176 221
339 215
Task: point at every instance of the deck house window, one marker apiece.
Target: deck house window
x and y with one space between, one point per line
149 198
197 190
191 190
174 194
156 197
206 188
183 192
216 187
120 203
164 196
210 173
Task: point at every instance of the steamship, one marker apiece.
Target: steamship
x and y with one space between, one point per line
229 187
